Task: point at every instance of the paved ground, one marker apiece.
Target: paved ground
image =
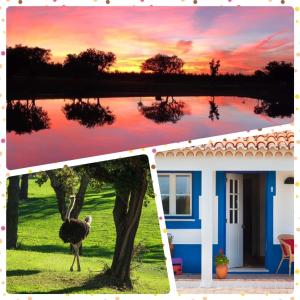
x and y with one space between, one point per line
241 291
237 284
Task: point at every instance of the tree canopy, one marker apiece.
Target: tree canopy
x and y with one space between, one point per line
26 59
163 64
89 61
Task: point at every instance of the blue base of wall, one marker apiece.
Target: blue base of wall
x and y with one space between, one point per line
191 256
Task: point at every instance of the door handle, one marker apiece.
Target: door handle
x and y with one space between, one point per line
243 226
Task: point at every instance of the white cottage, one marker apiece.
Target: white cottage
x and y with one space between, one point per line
231 195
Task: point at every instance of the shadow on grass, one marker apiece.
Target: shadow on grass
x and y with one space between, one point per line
93 283
21 272
155 254
91 251
42 207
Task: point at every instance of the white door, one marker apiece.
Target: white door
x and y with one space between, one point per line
234 220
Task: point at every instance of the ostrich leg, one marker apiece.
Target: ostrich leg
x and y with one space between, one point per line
75 253
78 260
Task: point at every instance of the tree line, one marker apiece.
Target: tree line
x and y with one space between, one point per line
36 61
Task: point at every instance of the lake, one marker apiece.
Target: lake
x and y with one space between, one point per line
49 130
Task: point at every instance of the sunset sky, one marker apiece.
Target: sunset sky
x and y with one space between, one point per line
243 38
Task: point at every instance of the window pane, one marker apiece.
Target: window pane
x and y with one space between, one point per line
182 184
183 205
236 201
231 188
163 184
236 216
230 216
166 204
236 186
231 201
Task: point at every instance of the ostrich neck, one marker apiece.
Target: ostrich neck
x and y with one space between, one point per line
70 208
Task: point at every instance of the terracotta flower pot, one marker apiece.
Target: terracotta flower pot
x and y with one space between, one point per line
221 271
171 248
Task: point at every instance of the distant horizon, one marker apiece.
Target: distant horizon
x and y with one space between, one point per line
243 38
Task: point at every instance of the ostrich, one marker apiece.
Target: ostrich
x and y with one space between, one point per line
74 231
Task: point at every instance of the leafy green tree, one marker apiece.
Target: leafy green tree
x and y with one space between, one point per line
130 178
66 182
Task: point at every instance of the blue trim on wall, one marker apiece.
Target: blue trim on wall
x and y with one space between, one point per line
270 184
221 193
196 192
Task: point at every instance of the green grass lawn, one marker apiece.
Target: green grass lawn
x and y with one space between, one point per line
41 263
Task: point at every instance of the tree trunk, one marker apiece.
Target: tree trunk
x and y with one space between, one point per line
119 213
126 227
24 187
12 213
84 182
60 194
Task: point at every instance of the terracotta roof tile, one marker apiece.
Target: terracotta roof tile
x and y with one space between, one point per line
273 141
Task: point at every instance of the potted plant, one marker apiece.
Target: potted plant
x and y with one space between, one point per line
222 262
170 240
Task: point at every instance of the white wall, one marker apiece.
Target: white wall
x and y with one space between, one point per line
225 163
283 206
186 236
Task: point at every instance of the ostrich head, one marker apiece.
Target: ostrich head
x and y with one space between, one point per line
71 206
88 220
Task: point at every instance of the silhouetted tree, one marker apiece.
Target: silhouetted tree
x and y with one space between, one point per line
214 110
214 67
88 114
24 187
91 61
260 74
163 111
163 64
12 211
280 70
27 60
26 117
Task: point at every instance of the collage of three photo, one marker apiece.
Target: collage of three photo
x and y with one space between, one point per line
149 150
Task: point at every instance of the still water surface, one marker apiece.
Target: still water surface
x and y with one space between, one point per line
47 131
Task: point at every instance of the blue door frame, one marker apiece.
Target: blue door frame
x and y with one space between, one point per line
272 252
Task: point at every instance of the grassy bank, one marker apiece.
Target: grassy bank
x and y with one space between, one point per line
42 262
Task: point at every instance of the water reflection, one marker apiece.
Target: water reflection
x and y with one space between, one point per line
88 114
213 109
155 121
163 110
26 117
274 108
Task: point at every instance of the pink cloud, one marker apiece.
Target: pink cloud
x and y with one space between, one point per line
184 46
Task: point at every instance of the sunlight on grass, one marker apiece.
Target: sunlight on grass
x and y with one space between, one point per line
42 262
